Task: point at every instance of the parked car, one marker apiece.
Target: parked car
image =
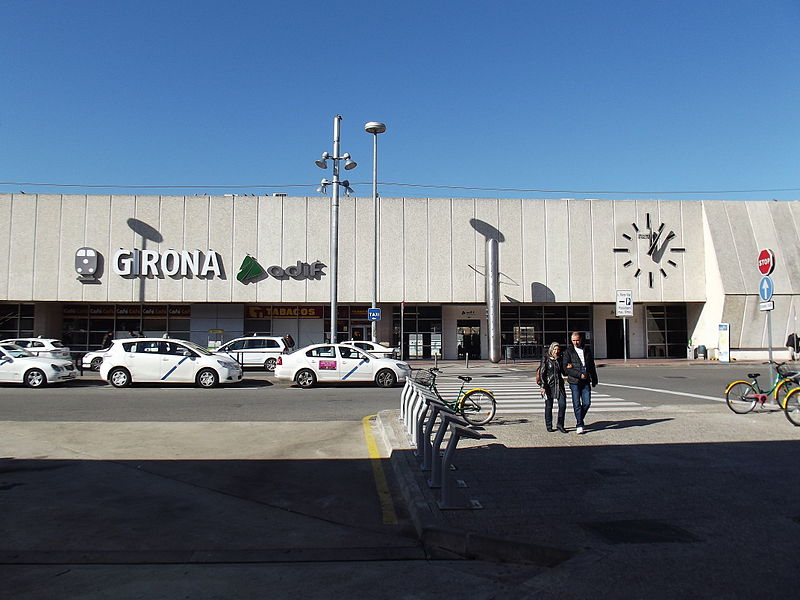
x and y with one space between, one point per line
138 360
336 363
17 365
378 350
92 360
255 350
45 347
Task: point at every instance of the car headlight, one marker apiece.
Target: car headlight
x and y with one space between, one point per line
56 368
227 365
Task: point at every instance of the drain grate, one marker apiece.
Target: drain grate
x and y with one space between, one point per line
644 531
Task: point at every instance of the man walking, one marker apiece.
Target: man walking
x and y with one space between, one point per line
581 373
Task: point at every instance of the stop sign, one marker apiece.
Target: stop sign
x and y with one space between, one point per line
766 261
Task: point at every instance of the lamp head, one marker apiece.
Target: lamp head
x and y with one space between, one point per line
349 163
375 127
321 162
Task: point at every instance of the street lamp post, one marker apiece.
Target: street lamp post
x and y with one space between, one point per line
374 127
322 164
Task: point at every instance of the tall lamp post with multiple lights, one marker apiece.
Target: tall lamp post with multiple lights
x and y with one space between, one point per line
322 164
374 127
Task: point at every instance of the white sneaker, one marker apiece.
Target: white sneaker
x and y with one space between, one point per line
579 430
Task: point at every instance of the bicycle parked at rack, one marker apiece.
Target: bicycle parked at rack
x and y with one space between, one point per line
476 405
743 396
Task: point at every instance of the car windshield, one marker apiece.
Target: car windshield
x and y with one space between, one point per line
15 351
196 348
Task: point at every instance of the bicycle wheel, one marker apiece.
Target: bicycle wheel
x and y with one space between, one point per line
478 407
783 390
737 397
792 407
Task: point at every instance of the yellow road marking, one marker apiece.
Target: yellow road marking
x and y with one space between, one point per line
384 495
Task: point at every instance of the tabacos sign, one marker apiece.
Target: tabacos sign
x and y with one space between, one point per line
171 263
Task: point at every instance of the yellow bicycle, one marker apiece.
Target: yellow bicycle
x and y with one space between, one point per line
742 396
476 405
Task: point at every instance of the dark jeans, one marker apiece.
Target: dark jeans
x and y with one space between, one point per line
581 400
548 408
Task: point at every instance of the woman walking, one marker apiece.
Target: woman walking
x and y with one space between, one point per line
549 378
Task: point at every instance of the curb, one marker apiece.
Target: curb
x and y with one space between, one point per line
447 542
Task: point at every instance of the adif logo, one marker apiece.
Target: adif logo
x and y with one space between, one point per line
86 264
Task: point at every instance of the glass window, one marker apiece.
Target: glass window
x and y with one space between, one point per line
272 344
531 312
322 352
351 353
150 347
254 344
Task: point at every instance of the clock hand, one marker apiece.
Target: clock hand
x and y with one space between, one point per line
654 243
657 254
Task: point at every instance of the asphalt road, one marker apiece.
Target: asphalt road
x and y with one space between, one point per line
242 490
260 398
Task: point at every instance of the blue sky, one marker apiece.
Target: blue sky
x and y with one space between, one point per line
579 97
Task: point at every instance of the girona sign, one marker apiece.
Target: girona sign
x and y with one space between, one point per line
172 263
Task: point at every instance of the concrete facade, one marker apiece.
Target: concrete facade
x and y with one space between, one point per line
430 251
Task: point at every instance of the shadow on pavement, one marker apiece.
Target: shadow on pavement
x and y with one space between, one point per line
622 424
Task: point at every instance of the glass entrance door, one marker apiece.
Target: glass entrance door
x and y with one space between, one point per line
360 332
468 333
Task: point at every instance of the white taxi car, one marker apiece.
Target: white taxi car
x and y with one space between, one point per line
44 347
17 365
378 350
255 350
139 360
332 363
92 360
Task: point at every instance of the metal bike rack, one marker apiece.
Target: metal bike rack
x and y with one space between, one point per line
438 466
451 498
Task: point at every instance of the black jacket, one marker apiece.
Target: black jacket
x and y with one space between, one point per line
551 370
570 356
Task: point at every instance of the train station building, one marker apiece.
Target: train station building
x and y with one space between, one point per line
211 268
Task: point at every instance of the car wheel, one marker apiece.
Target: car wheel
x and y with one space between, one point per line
207 378
306 378
35 378
385 378
96 362
119 378
269 364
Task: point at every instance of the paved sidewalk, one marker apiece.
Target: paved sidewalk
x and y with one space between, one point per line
674 501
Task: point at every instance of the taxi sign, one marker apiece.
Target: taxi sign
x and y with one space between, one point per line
374 314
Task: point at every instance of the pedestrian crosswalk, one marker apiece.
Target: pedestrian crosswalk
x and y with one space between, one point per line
524 396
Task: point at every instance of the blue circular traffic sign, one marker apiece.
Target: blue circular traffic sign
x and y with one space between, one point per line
766 288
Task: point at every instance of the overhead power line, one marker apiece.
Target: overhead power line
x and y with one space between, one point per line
386 183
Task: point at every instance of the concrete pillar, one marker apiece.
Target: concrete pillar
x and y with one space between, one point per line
493 298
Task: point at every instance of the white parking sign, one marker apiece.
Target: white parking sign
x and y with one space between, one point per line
624 303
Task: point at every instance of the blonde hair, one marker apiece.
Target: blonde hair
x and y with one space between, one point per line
553 346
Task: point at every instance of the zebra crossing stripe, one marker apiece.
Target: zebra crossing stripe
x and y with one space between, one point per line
526 397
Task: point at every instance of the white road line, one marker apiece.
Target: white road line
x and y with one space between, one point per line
686 394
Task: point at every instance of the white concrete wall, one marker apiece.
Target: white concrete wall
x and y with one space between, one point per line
431 250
